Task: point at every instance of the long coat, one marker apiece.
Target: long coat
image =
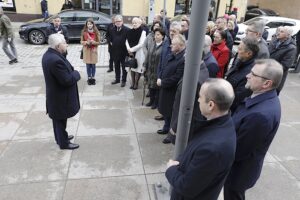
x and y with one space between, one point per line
62 99
256 123
285 54
263 52
151 63
139 53
170 76
203 76
237 77
118 39
222 55
90 55
206 161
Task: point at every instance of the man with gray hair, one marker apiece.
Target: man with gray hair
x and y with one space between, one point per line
255 30
208 58
283 49
256 122
62 99
7 34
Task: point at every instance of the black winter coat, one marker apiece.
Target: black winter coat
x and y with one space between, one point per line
51 30
196 116
206 161
118 39
237 77
170 76
62 99
285 54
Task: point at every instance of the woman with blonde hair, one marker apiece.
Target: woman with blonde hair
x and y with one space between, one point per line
90 39
134 44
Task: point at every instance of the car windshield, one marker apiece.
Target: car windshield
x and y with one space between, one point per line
269 12
250 21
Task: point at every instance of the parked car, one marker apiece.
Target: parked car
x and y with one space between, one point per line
35 31
255 12
272 23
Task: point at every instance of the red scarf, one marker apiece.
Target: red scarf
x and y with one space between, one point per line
89 36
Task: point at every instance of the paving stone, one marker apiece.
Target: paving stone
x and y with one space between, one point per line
104 156
144 120
9 124
116 188
32 161
105 122
33 191
155 154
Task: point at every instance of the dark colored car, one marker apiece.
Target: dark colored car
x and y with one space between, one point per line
35 31
255 12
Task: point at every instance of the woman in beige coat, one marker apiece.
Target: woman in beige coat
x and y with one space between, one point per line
90 38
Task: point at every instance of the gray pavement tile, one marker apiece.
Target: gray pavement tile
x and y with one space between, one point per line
103 156
3 145
9 123
31 161
115 90
269 158
154 179
105 122
275 183
285 145
144 120
105 103
293 167
38 125
33 191
14 105
114 188
155 154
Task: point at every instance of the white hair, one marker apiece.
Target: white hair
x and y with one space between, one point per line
176 25
288 30
55 39
207 44
118 17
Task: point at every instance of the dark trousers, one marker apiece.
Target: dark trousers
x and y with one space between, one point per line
118 65
167 124
111 64
230 194
60 133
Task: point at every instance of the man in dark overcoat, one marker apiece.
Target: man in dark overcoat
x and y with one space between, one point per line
200 172
62 99
110 29
56 27
242 65
168 79
119 50
283 49
256 122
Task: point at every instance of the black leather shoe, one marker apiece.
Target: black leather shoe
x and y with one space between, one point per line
154 106
109 70
169 139
162 132
70 146
159 118
123 84
70 137
115 82
149 104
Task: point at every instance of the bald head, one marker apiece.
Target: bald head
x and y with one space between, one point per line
220 92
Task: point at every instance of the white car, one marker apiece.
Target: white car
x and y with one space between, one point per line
271 25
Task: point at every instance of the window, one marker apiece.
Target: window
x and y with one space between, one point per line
67 16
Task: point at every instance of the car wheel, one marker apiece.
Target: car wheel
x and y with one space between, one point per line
103 39
37 37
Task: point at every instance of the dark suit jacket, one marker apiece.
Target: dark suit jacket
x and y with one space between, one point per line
256 123
170 76
64 31
211 64
62 99
237 77
206 161
118 39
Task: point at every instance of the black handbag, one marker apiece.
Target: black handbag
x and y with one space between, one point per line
81 54
131 62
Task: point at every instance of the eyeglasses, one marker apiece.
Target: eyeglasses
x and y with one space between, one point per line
256 75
